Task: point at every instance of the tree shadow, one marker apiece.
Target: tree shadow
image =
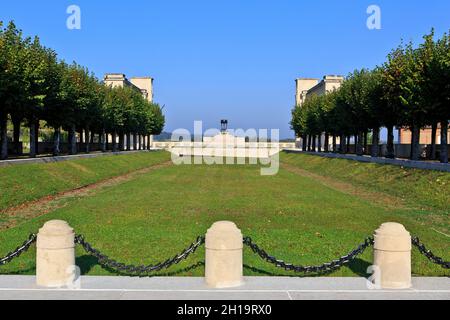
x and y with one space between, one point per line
87 262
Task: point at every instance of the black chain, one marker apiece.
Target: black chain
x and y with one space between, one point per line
324 268
430 255
138 270
107 262
16 253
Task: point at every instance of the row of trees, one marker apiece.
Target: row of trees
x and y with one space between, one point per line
410 90
35 85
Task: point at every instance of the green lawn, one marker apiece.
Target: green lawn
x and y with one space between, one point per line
29 182
425 188
292 216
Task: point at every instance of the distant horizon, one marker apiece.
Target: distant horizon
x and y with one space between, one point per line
227 60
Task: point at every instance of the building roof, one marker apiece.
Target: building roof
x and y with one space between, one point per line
150 78
306 79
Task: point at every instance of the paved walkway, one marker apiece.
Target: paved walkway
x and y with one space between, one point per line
255 288
424 165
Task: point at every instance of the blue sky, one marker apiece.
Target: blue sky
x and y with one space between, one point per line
231 59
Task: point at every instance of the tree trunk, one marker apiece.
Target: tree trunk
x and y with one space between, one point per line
309 143
4 137
375 142
72 140
149 145
432 154
134 141
121 141
81 136
114 141
342 144
334 143
415 143
16 136
128 141
104 142
37 136
33 139
444 141
69 140
87 140
365 151
359 145
107 144
390 143
348 144
319 143
304 142
313 143
326 143
144 142
56 142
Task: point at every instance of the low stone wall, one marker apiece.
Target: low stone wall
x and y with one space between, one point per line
65 158
167 145
401 150
15 148
425 165
47 147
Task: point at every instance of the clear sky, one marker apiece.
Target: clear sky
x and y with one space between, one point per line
233 59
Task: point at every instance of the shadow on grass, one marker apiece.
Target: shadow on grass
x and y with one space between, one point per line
360 267
87 262
24 272
357 266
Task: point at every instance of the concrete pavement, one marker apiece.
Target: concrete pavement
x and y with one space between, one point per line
255 288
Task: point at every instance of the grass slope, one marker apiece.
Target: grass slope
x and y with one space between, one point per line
417 187
293 217
22 183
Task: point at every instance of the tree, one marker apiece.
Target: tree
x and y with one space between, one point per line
298 124
357 90
413 97
436 87
441 75
377 108
12 50
343 116
38 78
392 79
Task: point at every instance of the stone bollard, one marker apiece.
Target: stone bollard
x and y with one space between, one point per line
223 264
55 258
392 255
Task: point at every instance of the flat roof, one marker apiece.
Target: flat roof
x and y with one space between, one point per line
141 78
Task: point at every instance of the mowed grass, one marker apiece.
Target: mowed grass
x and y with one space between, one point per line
426 188
293 217
22 183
